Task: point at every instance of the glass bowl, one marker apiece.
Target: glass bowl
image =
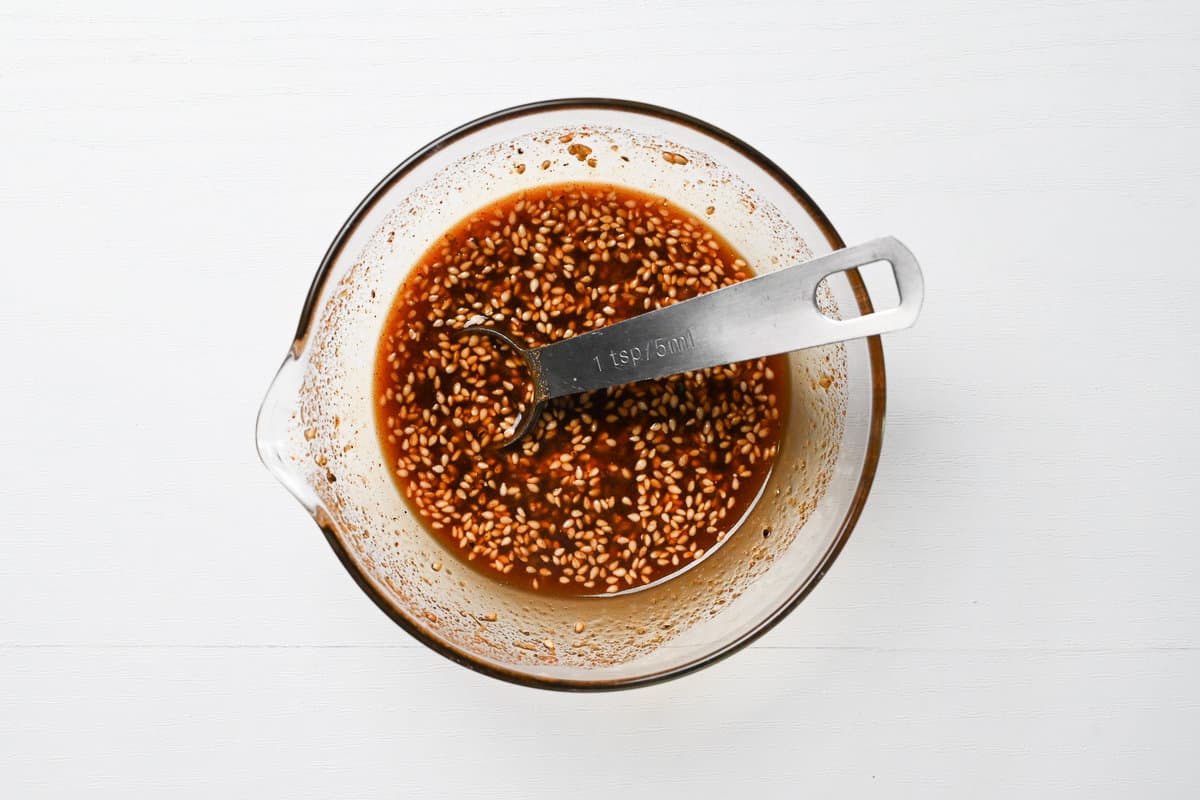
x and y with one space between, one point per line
316 428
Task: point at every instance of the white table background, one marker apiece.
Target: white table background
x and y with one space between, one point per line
1018 612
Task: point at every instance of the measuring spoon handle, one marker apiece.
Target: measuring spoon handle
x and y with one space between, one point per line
763 316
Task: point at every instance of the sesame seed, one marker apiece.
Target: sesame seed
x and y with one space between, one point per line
614 489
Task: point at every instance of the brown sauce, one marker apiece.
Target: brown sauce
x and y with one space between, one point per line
612 490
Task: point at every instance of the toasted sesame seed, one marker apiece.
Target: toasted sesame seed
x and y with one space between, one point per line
613 489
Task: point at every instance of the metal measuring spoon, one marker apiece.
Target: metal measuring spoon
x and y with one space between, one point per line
763 316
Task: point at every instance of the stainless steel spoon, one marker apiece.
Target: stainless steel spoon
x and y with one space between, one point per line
763 316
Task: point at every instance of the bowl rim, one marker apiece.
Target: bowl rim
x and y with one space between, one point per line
874 351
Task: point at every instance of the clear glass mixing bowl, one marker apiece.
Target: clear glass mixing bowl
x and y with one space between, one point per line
316 428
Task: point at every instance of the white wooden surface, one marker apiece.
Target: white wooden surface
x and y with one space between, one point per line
1018 613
